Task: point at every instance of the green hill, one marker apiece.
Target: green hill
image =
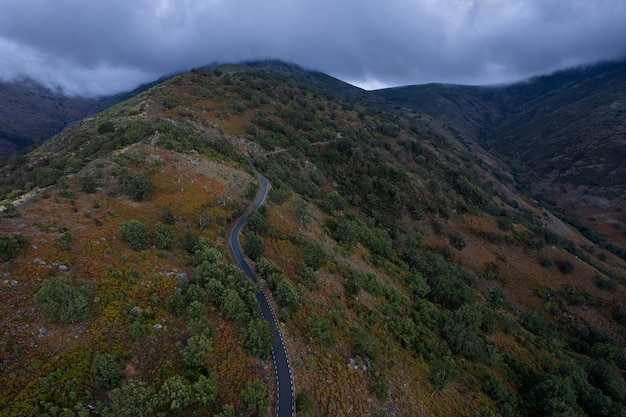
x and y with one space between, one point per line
410 274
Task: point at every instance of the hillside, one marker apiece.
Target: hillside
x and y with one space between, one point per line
409 273
562 136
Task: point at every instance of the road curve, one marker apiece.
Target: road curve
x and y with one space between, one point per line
284 376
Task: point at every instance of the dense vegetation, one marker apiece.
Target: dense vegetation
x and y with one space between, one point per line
408 272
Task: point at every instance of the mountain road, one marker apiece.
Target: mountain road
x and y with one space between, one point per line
285 387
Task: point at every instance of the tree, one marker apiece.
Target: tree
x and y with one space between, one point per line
177 392
259 338
234 307
255 396
135 233
197 352
313 255
10 245
136 185
254 246
133 398
304 404
205 389
107 371
163 236
227 411
65 300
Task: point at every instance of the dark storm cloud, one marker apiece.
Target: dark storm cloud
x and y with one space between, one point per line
94 47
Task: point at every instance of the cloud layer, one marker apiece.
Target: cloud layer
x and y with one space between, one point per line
89 47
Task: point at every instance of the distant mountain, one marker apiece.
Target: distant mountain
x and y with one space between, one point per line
564 136
31 113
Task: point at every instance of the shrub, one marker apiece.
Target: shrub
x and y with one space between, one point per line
106 127
256 397
458 240
10 245
136 185
566 266
254 246
166 215
304 404
65 300
135 233
163 236
89 183
259 338
107 371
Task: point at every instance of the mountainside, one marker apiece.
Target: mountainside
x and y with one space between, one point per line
31 113
409 273
563 136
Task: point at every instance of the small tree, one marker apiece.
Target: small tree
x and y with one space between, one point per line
136 185
255 396
259 338
163 236
10 245
177 392
65 300
254 246
205 389
458 240
107 371
304 404
135 233
133 398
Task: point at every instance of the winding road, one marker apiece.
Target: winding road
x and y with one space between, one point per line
284 376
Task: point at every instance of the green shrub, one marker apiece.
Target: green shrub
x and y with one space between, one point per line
107 370
106 127
254 246
163 236
135 233
136 185
255 396
259 338
65 300
458 240
10 245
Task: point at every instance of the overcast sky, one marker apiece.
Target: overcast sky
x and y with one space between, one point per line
107 46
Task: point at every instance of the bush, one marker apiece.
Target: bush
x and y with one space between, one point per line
566 266
254 246
106 127
65 300
304 404
89 183
107 371
458 240
136 185
135 233
163 236
259 338
10 245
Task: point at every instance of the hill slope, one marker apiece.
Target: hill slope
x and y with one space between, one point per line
562 135
408 273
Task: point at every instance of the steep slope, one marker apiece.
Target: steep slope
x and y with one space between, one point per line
562 135
408 274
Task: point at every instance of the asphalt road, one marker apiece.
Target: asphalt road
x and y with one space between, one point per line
282 366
